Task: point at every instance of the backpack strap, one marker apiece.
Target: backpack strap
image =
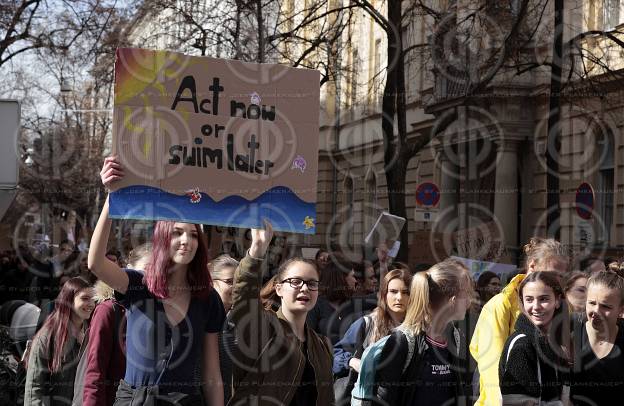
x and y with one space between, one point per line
411 345
539 368
511 344
368 329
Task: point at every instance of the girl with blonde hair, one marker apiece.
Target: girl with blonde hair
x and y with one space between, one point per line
425 347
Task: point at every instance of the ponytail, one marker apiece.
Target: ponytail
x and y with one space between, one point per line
431 289
418 315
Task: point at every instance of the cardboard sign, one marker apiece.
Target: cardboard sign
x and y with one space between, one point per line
485 242
214 141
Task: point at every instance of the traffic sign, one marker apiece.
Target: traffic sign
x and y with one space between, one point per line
427 194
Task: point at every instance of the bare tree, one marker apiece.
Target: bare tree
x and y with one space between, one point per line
67 114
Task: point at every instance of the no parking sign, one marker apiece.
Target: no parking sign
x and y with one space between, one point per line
427 194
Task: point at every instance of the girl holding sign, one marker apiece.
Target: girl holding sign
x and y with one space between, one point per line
173 313
282 360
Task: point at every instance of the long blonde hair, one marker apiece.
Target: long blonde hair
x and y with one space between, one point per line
431 289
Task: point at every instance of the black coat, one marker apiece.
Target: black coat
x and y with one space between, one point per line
395 387
532 359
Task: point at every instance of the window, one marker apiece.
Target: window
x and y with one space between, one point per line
371 198
377 65
605 193
348 221
354 78
611 14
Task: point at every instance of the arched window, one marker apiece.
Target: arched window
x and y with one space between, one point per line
348 200
605 190
348 197
370 202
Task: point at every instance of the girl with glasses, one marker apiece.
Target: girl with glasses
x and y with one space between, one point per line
281 360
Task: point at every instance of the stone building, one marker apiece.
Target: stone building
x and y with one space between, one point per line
488 152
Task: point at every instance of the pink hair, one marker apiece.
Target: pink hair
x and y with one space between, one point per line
156 271
56 326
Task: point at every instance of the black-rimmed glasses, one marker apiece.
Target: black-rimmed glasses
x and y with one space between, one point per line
297 283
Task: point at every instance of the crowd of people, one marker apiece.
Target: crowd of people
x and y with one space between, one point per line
169 325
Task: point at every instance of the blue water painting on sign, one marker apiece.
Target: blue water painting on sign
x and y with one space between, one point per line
279 205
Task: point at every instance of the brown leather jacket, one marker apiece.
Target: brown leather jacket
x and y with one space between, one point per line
269 361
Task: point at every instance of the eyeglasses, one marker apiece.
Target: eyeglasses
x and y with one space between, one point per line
226 281
297 283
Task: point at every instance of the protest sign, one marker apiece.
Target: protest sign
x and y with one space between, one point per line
504 271
485 242
214 141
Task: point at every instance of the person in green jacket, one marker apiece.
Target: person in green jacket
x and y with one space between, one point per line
55 351
499 315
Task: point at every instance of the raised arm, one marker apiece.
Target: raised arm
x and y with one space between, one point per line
247 278
248 314
105 269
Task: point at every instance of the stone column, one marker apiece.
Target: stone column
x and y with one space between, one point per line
449 185
506 195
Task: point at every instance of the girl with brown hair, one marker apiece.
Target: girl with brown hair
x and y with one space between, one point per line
534 363
57 347
282 360
598 376
498 316
389 314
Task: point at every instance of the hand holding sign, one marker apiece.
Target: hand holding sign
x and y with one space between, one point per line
111 171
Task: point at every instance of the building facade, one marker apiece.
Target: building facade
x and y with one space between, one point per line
478 81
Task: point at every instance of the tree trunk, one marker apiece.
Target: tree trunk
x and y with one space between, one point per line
393 105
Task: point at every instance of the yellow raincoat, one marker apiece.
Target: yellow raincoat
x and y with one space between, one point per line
495 325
